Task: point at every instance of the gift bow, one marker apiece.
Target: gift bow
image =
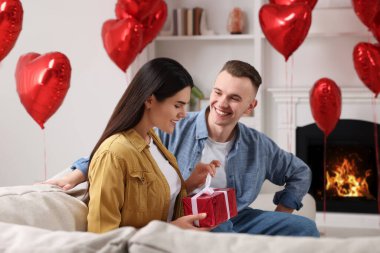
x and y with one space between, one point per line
208 190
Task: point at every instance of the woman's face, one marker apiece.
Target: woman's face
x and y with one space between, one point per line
165 114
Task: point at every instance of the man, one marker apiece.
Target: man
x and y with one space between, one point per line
247 157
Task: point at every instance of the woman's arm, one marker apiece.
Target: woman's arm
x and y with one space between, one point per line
187 222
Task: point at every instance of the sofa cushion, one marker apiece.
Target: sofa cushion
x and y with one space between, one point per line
19 238
43 206
161 237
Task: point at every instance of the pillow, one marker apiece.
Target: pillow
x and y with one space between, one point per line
43 206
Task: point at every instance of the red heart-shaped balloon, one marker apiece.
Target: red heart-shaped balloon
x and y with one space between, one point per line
375 26
326 104
285 26
139 9
366 10
122 40
311 3
11 14
366 58
42 83
154 23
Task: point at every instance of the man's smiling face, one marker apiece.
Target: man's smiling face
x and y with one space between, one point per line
230 98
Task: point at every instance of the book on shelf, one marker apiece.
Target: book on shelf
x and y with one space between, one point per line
189 17
188 21
179 21
197 13
175 24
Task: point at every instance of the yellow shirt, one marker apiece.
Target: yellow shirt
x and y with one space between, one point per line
127 188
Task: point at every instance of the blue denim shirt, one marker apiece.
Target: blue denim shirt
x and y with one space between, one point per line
252 159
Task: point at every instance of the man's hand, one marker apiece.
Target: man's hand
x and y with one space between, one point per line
69 181
284 209
187 222
199 174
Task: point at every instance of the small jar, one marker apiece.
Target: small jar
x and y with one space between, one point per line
235 23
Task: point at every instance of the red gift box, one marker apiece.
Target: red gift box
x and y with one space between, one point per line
214 205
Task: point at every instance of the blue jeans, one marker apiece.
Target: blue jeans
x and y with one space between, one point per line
258 222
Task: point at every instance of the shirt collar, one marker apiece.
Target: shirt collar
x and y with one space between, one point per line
136 139
201 123
201 131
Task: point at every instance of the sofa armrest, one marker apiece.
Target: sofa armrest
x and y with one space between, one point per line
43 206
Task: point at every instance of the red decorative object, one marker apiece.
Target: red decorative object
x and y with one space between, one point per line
366 10
375 26
214 205
154 23
366 58
326 104
11 15
122 40
285 26
311 3
139 9
42 83
236 21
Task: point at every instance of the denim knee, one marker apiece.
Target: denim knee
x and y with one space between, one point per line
302 226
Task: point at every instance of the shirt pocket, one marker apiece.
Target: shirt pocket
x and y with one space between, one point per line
139 190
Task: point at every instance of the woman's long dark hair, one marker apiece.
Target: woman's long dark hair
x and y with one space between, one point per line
161 77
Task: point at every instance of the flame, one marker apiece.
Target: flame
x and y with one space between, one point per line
346 181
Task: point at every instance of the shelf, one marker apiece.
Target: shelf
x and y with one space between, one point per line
339 34
207 37
335 34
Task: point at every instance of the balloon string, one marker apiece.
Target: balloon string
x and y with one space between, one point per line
324 176
376 136
288 109
291 100
45 158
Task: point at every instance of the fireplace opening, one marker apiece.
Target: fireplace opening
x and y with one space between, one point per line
351 172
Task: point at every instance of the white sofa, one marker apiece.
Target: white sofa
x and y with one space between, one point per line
43 218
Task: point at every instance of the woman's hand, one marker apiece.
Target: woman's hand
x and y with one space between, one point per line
69 181
199 174
187 222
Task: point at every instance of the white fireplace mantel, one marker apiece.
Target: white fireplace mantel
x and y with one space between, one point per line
292 109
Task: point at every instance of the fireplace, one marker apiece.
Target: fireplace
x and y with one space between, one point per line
351 172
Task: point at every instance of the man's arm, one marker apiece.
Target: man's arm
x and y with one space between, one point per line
284 209
69 181
77 176
286 169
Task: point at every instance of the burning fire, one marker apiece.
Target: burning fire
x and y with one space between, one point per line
346 181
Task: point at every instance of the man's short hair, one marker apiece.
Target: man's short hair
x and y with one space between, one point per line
243 69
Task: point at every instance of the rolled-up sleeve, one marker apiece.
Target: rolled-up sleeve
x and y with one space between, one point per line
107 189
287 169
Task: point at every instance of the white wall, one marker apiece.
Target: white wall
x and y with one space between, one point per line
72 27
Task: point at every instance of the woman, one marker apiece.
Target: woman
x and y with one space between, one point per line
133 178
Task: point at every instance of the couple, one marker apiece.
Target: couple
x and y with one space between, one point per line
134 176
